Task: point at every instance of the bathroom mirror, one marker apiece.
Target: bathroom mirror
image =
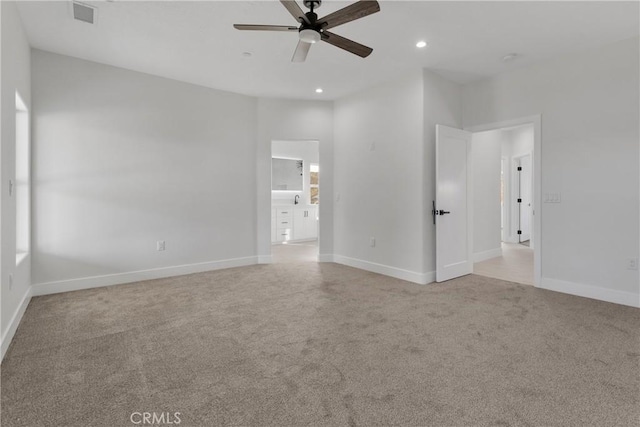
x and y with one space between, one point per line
286 174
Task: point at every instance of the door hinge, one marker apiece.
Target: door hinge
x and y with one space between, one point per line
519 231
519 168
519 200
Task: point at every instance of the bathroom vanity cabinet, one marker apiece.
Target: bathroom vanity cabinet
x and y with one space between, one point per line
294 223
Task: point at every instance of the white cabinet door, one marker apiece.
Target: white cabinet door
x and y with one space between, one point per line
305 223
311 223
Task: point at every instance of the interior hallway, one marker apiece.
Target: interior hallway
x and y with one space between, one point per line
515 265
295 252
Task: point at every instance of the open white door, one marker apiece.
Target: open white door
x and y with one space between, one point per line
453 204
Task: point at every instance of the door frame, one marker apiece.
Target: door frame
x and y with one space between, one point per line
536 121
505 209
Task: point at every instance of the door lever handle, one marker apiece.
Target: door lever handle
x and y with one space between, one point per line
441 212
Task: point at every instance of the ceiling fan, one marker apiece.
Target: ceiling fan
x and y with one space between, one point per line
312 29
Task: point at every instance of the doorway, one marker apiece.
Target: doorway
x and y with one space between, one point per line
506 171
295 198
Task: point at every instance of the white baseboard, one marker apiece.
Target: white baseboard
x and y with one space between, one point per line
603 294
398 273
14 323
325 257
485 255
136 276
265 259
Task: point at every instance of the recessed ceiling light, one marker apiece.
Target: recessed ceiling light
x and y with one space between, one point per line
421 44
319 90
509 57
246 54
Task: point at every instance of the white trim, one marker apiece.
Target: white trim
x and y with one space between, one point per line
398 273
536 120
485 255
594 292
265 259
325 258
14 323
137 276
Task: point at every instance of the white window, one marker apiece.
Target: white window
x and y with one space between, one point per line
20 187
314 184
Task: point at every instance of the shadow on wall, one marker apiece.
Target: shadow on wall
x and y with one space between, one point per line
54 268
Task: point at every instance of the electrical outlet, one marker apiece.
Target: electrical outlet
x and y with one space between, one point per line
632 264
10 281
372 242
160 245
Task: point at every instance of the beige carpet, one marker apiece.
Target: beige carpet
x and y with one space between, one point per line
297 344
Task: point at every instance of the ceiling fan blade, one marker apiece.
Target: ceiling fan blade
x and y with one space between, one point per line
295 11
350 13
264 27
346 44
301 51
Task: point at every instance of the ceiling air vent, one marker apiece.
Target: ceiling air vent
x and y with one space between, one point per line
84 13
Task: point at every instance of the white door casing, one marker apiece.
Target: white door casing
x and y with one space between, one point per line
454 230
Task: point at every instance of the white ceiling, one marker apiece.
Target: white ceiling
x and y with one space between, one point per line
196 43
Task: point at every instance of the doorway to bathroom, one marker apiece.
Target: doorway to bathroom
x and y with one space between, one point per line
295 200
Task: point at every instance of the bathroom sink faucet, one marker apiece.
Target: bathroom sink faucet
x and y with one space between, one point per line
296 199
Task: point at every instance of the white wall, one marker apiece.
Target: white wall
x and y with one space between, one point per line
380 187
517 141
308 152
281 119
124 159
590 154
386 190
486 151
15 76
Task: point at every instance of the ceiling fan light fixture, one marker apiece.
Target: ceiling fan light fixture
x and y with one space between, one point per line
309 36
313 29
421 44
319 90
